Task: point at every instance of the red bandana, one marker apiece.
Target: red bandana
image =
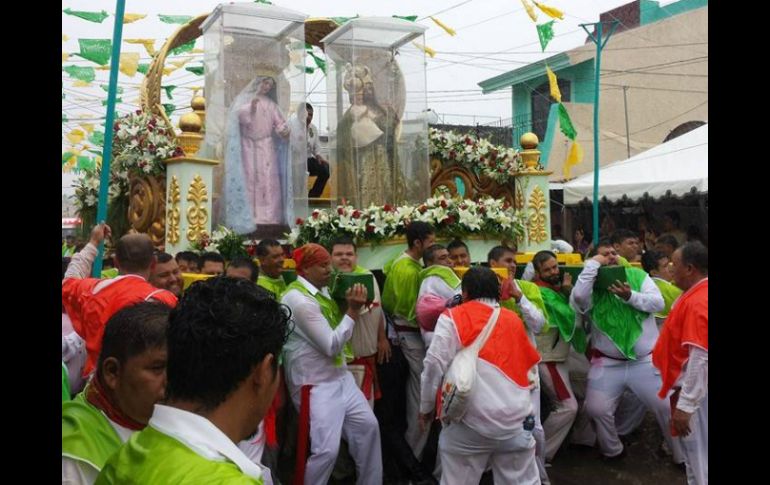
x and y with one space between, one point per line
95 395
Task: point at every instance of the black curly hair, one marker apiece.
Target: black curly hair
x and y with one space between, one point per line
220 330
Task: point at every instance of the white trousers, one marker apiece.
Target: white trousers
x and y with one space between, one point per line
413 348
696 446
539 434
465 453
630 413
339 410
559 422
607 380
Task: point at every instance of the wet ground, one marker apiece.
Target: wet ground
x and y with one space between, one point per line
644 463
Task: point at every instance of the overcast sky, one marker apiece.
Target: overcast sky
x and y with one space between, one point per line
493 37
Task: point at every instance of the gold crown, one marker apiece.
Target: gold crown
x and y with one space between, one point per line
267 70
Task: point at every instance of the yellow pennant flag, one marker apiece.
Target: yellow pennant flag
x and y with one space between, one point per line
89 127
65 37
554 13
169 70
64 56
76 136
80 84
425 49
149 45
574 157
447 29
133 17
180 63
197 51
195 90
555 93
530 10
129 63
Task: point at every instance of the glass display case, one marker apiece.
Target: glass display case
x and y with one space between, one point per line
376 96
254 64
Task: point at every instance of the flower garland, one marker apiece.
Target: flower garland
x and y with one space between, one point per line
451 217
478 154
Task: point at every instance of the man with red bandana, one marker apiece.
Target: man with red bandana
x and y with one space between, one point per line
331 406
681 354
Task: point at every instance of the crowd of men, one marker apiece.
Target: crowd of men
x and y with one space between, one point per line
244 378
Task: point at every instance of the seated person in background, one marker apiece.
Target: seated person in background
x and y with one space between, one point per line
666 244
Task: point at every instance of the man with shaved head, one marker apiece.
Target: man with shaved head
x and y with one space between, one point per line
90 302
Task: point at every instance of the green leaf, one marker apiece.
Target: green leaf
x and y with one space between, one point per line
97 17
85 74
95 50
195 70
174 19
183 48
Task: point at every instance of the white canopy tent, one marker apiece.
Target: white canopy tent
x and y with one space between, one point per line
676 167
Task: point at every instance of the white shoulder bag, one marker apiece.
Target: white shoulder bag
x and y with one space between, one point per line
459 379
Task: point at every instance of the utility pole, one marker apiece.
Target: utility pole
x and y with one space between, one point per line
625 108
600 42
101 210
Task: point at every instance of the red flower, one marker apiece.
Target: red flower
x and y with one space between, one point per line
463 206
482 210
452 155
369 228
299 221
116 126
388 208
356 214
450 220
443 204
340 211
251 250
468 141
138 111
481 159
422 209
178 152
493 154
315 214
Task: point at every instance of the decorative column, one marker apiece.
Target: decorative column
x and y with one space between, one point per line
188 187
532 197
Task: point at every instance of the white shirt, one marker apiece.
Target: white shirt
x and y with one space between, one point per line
694 380
367 327
205 439
313 147
78 472
311 348
648 300
497 405
434 285
73 353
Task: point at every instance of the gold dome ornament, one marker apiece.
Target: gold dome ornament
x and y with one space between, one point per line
198 103
190 139
529 153
529 141
190 122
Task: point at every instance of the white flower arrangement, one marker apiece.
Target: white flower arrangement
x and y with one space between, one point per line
451 217
478 154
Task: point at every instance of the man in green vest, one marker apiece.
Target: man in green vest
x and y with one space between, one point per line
270 255
118 401
658 266
399 299
330 404
439 285
622 334
223 341
554 347
524 298
68 247
626 244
